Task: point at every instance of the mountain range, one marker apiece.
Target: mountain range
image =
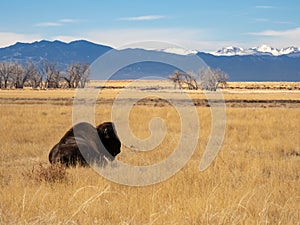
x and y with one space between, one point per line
53 51
261 63
261 50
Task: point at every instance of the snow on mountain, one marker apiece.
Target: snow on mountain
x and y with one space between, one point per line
179 51
260 50
267 49
229 51
289 50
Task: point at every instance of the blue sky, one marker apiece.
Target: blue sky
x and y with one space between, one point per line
200 25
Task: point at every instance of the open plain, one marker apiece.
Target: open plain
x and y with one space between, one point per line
255 178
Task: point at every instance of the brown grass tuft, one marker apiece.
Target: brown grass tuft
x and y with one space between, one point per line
47 173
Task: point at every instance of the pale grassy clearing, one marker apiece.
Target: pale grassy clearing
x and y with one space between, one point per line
254 179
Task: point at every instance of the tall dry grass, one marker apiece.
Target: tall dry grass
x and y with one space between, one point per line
254 179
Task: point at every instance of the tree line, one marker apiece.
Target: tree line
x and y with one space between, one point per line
46 75
43 75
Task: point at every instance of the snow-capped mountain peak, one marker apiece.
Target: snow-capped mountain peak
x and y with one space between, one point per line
260 50
267 49
179 51
229 51
289 50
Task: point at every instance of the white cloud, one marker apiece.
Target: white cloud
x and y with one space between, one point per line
279 38
264 7
48 24
291 33
263 20
10 38
68 21
142 18
122 37
190 39
285 23
60 22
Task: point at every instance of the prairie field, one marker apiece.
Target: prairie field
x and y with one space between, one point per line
254 179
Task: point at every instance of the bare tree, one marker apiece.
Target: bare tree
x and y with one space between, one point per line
77 75
183 79
51 74
175 78
35 78
206 79
6 73
222 77
190 81
14 75
85 75
19 76
211 79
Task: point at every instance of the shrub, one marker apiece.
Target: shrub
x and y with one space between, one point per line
47 173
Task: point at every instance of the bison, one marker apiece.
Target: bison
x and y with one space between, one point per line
84 144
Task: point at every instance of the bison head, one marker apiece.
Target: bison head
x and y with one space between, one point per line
109 138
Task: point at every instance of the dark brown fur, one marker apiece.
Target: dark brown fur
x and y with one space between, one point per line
85 146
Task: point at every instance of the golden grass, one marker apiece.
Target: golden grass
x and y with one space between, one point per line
254 179
265 85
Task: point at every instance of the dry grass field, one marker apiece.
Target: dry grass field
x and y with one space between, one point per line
255 178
